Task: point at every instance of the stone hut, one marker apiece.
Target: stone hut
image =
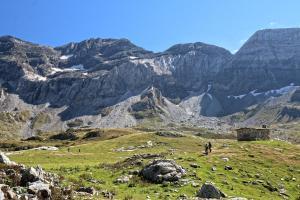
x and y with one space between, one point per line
252 134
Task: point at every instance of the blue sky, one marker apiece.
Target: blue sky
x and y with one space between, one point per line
152 24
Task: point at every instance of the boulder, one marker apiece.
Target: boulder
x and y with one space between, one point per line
5 160
41 189
31 175
162 170
209 191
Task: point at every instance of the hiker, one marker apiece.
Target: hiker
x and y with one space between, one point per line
206 149
79 150
68 149
209 146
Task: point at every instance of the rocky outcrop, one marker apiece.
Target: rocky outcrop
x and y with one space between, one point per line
20 182
162 170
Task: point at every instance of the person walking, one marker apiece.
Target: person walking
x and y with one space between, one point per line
209 146
206 149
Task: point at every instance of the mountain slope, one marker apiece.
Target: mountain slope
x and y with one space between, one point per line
107 82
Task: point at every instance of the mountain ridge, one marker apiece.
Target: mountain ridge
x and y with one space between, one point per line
89 79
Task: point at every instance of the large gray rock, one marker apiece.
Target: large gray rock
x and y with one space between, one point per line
162 170
209 191
31 175
5 160
40 189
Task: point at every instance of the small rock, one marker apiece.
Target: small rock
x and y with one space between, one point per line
133 172
195 184
108 195
194 165
208 190
270 187
228 167
213 168
225 159
123 179
260 181
182 197
89 190
149 144
257 175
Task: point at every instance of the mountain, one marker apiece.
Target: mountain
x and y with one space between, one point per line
114 83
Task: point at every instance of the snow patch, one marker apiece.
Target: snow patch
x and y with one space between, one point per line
66 57
35 77
77 67
209 86
280 91
55 70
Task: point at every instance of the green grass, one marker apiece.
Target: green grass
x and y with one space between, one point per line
274 161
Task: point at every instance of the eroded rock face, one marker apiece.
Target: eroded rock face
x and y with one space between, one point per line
270 58
162 170
209 191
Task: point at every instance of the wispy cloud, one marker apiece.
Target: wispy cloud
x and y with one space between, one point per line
273 24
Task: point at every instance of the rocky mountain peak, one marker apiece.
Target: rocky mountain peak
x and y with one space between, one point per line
196 47
283 35
273 43
105 47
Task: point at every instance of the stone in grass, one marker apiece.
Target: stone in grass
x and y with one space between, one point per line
123 179
227 167
194 165
270 187
89 190
162 170
208 190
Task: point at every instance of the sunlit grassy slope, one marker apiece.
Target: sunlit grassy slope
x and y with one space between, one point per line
254 163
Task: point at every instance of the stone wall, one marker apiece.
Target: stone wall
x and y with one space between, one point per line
252 134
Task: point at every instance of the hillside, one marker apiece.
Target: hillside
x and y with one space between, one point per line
109 165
